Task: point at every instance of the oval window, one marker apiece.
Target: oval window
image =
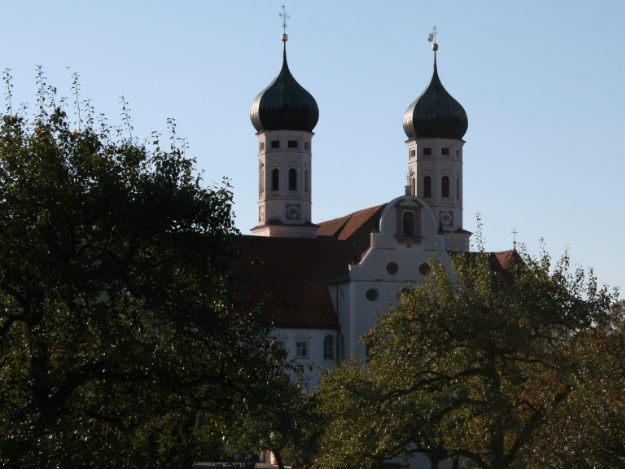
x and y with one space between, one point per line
372 294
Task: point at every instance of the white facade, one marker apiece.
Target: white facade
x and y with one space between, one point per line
399 257
313 350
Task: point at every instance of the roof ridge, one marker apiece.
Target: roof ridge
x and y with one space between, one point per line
349 215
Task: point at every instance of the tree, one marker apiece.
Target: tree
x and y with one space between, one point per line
119 345
483 365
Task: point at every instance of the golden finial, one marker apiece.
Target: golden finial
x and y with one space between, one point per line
285 16
432 38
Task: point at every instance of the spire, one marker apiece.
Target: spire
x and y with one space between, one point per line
285 17
284 104
432 40
285 37
435 113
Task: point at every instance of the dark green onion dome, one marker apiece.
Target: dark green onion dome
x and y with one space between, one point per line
284 104
435 114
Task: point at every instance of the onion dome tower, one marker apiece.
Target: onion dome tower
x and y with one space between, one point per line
284 115
435 124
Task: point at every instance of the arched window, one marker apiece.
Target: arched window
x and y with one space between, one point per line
328 347
275 180
445 186
261 179
427 187
412 186
292 180
408 223
306 186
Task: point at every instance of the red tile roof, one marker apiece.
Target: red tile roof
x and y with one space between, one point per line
291 278
355 228
506 258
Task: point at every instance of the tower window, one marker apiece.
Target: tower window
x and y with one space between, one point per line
445 151
445 186
275 180
275 144
412 152
292 180
306 185
427 151
328 347
412 186
408 224
261 146
261 179
292 144
427 187
457 153
457 188
306 145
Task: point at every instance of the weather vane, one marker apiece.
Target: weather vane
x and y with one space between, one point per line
432 38
285 16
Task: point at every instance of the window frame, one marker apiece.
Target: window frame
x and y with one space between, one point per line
329 348
302 345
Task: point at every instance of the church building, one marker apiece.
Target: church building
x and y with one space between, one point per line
321 284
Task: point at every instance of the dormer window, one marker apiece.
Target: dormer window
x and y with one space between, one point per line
408 229
408 224
275 144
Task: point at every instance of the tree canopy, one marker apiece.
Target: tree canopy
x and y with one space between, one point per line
499 369
119 345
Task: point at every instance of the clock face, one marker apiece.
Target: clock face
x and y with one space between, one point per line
446 218
292 211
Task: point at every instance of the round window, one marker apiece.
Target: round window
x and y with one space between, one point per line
372 294
424 268
392 268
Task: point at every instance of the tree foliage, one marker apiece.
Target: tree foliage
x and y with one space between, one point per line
501 369
118 342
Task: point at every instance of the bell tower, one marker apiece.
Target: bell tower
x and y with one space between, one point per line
435 124
284 115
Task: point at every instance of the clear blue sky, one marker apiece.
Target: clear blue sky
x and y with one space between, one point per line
543 83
